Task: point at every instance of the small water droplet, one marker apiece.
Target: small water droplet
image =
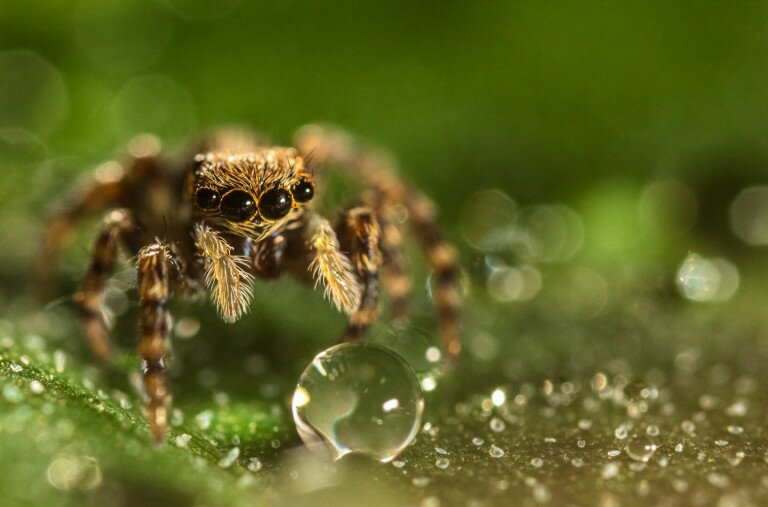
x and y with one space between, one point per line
442 463
718 480
478 441
537 462
36 387
621 432
679 448
398 464
254 464
440 450
183 440
640 448
613 453
735 456
16 368
12 393
653 430
735 430
497 425
421 482
688 426
496 452
610 470
344 399
228 460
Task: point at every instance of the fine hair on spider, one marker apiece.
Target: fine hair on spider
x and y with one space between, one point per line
233 208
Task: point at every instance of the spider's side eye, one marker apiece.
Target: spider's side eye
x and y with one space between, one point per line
275 203
304 191
207 198
237 205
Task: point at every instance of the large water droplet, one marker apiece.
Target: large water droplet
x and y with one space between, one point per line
358 398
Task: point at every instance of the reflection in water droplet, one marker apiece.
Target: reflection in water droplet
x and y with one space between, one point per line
640 448
32 93
749 216
707 280
345 399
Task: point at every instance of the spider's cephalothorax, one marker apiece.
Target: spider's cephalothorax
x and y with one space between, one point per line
238 209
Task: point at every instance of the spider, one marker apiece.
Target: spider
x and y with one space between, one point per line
233 209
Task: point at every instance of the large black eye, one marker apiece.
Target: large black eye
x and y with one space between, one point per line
207 198
275 203
237 205
304 191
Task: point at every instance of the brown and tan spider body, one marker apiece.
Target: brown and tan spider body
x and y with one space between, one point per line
236 209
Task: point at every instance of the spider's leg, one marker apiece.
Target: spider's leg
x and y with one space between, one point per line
359 234
329 146
330 267
394 272
118 227
227 276
108 187
268 256
444 260
156 267
97 196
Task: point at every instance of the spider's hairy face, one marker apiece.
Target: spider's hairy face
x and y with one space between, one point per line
252 194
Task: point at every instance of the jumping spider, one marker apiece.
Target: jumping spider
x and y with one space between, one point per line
236 209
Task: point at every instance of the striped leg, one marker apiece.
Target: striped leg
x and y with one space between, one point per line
329 146
118 227
444 260
97 196
156 266
395 277
359 234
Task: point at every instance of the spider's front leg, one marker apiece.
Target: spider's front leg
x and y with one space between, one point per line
118 227
359 234
157 266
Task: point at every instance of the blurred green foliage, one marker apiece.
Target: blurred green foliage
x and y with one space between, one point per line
582 103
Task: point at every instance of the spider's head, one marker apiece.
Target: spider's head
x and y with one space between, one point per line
251 194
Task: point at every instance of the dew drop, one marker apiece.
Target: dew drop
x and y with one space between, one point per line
496 452
228 460
254 464
442 463
640 448
478 441
358 398
497 425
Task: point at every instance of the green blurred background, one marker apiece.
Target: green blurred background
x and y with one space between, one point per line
640 121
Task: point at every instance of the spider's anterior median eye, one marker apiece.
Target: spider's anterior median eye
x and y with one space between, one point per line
207 198
275 203
304 191
237 205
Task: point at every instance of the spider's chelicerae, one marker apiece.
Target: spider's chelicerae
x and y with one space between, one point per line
234 209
